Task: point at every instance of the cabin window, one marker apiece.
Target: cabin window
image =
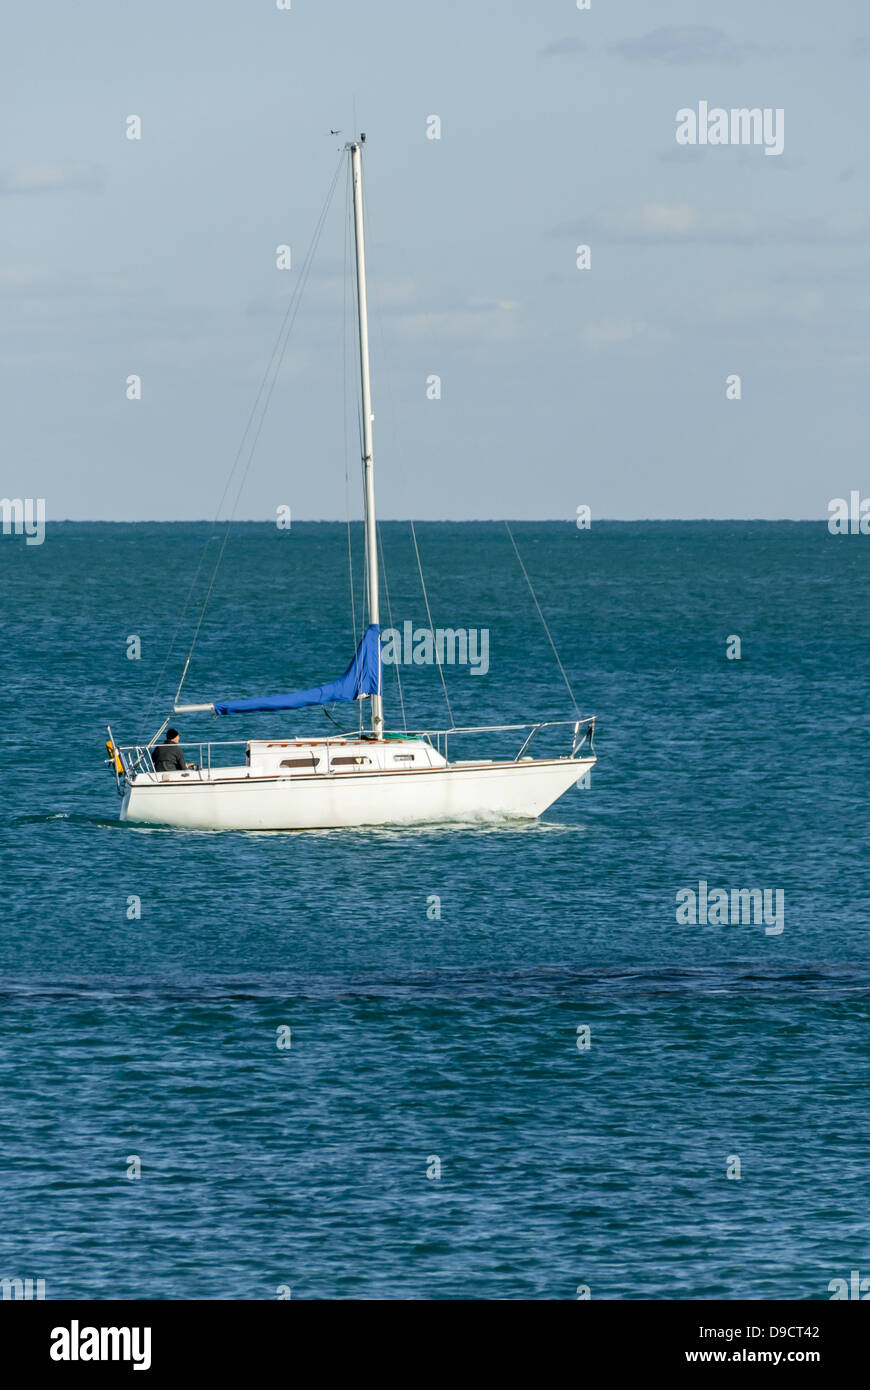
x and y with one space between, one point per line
309 763
403 757
344 762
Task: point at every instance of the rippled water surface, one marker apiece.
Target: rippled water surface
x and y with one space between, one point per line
414 1038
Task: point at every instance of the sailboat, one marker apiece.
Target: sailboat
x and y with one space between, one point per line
372 778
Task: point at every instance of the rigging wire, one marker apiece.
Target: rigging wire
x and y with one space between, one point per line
543 620
390 616
261 404
380 319
438 660
331 717
417 548
171 646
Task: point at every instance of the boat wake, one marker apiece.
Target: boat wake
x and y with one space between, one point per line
69 818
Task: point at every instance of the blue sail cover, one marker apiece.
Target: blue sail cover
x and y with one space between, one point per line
362 677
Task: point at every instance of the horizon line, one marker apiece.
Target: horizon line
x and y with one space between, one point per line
420 521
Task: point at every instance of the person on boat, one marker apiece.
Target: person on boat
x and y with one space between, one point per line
169 756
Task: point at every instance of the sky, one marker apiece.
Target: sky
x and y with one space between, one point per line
560 387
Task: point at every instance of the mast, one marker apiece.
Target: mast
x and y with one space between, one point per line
367 417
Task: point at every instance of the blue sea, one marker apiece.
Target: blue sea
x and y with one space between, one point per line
438 1128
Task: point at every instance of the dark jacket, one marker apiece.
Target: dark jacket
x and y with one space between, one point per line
168 757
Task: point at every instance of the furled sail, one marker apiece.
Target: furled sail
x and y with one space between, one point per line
362 677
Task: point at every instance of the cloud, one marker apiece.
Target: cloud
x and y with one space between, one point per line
681 224
562 47
16 280
394 294
476 320
746 155
52 178
614 331
658 217
690 43
749 306
27 282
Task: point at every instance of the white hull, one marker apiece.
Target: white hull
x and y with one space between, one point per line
455 792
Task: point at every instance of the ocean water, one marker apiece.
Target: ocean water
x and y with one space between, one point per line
418 1043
